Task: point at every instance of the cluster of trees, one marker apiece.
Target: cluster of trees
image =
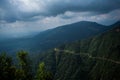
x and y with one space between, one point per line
8 71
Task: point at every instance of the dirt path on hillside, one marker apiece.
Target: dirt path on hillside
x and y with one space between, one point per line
88 55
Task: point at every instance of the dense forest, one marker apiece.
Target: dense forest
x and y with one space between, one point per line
23 71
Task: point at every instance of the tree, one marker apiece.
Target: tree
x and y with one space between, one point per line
42 73
19 74
7 71
25 67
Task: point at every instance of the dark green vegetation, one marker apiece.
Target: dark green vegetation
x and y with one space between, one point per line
53 37
97 58
24 70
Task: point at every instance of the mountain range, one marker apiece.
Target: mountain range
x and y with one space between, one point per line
79 51
53 37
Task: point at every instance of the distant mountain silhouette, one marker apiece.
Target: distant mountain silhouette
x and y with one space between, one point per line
72 32
54 37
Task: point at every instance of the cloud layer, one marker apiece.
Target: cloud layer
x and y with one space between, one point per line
23 17
12 10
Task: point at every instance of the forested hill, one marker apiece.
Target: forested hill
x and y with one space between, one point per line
95 59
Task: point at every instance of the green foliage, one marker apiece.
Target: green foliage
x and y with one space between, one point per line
42 73
7 71
25 66
24 71
20 74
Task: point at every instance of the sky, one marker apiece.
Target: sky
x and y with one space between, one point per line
26 17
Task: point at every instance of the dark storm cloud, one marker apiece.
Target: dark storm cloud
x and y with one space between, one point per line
97 6
10 12
4 9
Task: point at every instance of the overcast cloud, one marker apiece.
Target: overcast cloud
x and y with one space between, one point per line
24 17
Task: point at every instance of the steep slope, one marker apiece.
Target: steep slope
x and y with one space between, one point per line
95 59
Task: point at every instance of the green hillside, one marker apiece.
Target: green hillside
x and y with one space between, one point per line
97 58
